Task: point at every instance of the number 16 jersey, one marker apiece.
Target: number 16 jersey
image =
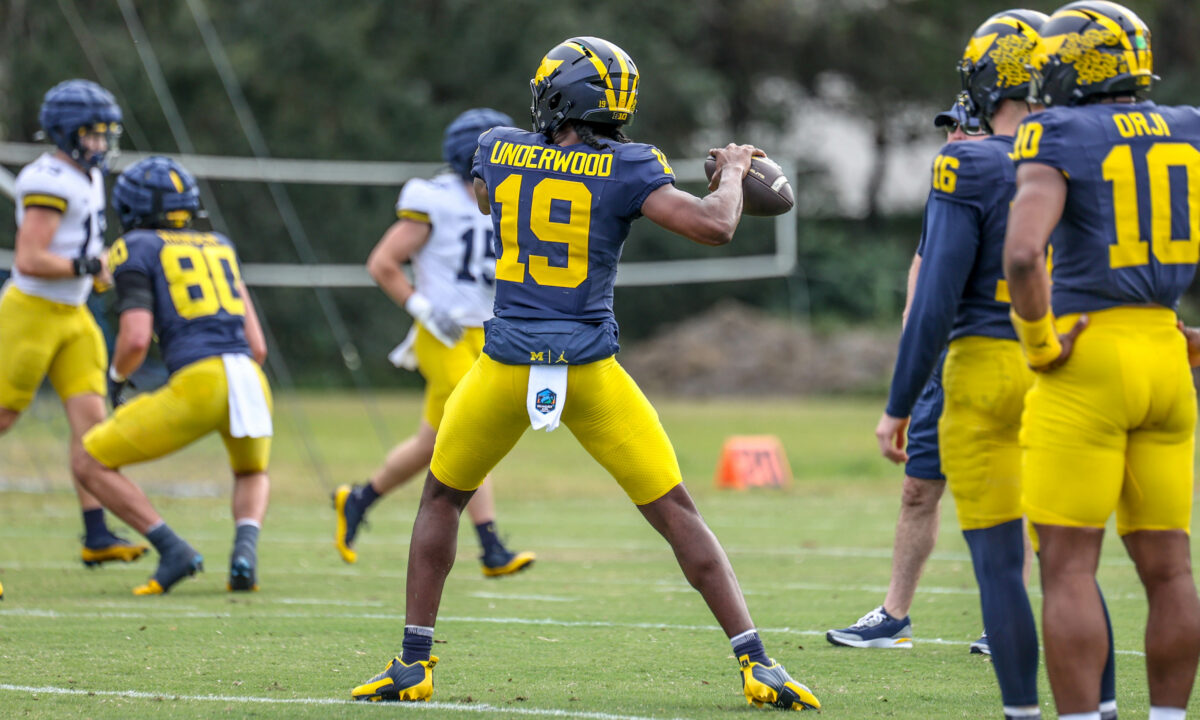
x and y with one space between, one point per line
561 215
1130 229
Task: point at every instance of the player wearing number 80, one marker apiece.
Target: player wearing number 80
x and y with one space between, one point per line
185 287
562 200
1112 181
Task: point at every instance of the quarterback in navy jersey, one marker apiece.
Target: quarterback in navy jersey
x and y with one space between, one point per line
183 287
1110 180
562 199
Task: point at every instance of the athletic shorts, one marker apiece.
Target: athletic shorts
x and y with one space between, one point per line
193 403
1114 428
604 408
41 338
985 380
443 367
924 462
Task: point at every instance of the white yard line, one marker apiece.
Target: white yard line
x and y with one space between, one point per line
474 707
168 614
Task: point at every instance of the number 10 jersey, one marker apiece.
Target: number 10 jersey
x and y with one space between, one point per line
1130 230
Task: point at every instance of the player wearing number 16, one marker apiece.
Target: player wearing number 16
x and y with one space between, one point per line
562 199
184 287
1113 182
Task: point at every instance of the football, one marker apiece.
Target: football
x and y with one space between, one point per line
765 189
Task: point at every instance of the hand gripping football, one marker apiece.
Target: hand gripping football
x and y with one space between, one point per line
766 191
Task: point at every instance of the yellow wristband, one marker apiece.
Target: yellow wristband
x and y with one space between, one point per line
1039 338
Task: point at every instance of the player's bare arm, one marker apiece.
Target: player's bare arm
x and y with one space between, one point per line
1036 210
710 220
133 340
33 256
385 264
482 197
253 328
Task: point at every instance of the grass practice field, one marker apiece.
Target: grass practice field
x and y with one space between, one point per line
603 626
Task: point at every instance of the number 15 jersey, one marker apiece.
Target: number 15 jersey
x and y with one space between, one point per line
1130 229
195 279
561 215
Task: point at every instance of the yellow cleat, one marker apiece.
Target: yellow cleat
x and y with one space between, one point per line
1 592
150 588
399 683
771 685
511 563
123 551
340 496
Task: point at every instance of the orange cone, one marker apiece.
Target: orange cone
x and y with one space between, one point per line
752 461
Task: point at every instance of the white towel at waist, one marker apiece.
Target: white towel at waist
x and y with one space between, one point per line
547 395
249 415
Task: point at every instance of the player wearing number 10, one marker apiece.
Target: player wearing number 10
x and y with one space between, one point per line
562 199
185 287
1113 182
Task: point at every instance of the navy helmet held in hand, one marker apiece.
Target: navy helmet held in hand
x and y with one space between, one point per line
156 193
74 109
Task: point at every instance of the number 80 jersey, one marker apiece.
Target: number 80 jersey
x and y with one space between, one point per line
195 280
1130 230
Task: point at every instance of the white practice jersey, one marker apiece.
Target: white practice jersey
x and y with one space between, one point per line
54 183
456 268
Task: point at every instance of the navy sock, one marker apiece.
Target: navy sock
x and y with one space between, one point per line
95 528
998 554
418 644
748 643
364 496
164 539
245 542
488 539
1108 681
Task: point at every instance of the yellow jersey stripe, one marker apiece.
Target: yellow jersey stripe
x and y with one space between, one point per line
53 202
414 215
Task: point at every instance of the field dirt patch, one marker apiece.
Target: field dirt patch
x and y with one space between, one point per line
734 349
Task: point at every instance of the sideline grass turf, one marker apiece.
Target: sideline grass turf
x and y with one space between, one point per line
603 626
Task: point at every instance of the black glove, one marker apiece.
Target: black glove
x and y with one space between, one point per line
115 388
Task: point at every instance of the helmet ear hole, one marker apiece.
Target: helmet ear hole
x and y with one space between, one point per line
553 101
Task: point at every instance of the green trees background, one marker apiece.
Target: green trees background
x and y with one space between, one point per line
340 79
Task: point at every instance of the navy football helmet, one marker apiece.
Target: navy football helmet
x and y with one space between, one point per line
1091 49
156 193
583 78
462 137
75 108
995 63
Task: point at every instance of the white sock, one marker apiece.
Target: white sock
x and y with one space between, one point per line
1167 713
1108 706
248 521
1081 716
1022 711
